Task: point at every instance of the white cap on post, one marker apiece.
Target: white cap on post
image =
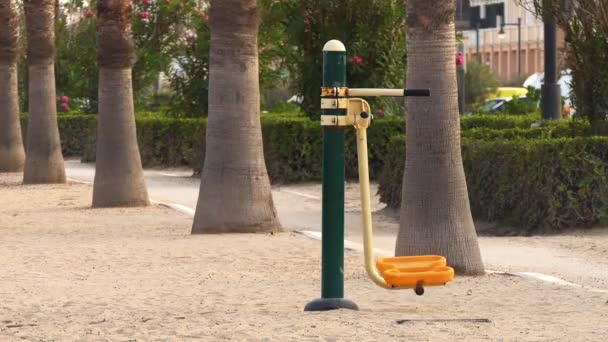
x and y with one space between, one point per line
334 45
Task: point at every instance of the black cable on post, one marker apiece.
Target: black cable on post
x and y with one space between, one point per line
416 92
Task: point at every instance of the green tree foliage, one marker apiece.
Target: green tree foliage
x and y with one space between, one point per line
77 73
479 82
189 73
292 144
373 32
172 38
159 28
160 38
526 105
585 23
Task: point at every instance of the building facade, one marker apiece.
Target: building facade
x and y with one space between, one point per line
480 23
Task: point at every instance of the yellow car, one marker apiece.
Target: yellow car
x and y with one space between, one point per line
507 92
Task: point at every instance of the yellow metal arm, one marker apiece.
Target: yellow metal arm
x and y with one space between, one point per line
350 92
362 119
368 243
398 272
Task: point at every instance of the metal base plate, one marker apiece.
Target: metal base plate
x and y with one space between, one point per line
326 304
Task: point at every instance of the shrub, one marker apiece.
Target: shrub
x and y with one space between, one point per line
166 141
517 106
538 186
158 39
74 129
479 82
77 73
548 129
189 72
284 107
489 134
528 104
292 144
496 121
376 57
162 141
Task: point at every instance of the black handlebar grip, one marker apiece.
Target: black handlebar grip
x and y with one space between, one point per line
417 92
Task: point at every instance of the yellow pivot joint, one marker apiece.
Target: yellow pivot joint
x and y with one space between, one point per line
354 108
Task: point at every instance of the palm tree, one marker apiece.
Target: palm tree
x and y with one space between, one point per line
435 212
12 155
43 161
119 178
235 191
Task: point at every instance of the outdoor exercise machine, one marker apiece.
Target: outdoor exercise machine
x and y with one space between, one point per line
340 110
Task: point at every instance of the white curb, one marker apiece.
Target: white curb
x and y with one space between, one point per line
78 181
353 246
178 207
297 193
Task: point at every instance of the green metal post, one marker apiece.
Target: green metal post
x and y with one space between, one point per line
332 278
332 264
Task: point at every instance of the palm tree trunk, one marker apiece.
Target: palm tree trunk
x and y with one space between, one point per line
12 155
44 160
235 194
119 178
435 212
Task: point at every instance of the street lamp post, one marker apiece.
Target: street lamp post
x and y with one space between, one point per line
550 91
477 42
502 34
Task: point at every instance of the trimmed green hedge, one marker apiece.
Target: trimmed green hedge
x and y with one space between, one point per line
163 142
74 130
539 186
292 144
498 121
549 129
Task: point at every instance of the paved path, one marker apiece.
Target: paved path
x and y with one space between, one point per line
299 208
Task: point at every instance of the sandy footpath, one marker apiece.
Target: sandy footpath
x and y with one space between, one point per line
71 273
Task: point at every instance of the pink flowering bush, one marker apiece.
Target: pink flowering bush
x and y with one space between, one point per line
356 60
459 59
63 103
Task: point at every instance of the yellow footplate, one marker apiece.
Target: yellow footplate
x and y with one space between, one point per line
415 271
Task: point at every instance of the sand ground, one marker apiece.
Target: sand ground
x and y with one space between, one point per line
576 256
71 273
